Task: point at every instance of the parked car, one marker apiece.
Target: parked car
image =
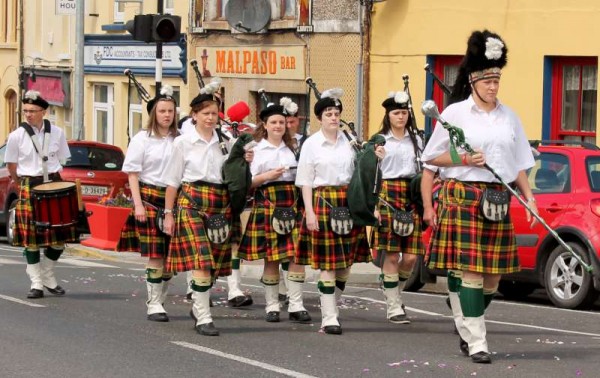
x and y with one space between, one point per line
96 165
566 184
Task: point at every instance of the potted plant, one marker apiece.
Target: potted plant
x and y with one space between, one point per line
106 219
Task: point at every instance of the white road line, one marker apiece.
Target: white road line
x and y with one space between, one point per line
10 261
262 365
85 263
20 301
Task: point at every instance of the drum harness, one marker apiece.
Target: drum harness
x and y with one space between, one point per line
38 148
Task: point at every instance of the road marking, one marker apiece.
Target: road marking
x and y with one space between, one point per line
262 365
10 261
20 301
85 263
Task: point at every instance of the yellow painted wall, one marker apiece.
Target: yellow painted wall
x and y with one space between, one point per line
405 32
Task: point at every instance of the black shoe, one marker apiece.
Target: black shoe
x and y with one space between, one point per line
158 317
240 300
481 358
282 297
464 346
210 304
188 296
333 329
56 291
207 329
400 319
35 293
448 303
272 317
300 317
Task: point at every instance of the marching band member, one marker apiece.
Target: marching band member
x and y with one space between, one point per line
34 149
235 296
202 225
145 161
269 235
392 237
327 239
478 243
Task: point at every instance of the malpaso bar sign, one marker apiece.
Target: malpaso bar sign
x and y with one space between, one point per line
265 62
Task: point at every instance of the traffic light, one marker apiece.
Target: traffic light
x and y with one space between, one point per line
140 27
166 28
155 28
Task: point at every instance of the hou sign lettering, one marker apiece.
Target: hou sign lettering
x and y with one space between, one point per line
65 7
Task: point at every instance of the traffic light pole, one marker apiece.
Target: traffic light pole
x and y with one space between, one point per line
159 54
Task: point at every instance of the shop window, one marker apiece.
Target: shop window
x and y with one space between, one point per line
135 111
169 7
119 12
103 113
280 9
574 99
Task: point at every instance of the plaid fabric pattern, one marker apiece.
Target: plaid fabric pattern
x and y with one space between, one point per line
465 239
190 248
396 193
260 241
145 237
26 234
324 249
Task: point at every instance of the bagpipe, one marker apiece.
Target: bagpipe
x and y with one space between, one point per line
443 86
457 139
141 91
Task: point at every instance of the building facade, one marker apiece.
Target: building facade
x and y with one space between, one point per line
9 66
551 77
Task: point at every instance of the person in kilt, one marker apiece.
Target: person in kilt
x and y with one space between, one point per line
268 237
398 167
324 170
235 295
146 159
482 247
197 207
36 147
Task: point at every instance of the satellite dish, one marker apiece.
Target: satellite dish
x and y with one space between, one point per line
248 16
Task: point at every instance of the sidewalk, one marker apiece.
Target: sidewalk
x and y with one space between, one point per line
361 274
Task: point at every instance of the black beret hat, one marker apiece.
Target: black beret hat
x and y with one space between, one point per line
34 98
329 98
166 92
270 110
396 100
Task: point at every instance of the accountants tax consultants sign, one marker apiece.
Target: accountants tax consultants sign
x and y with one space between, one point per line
115 54
264 62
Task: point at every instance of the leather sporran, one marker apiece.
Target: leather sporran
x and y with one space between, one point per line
283 220
160 219
340 220
403 223
494 204
217 228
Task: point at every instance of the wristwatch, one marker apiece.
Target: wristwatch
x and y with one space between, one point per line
168 211
531 199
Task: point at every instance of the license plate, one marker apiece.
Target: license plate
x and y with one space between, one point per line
91 190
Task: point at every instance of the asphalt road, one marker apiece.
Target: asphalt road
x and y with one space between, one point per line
99 329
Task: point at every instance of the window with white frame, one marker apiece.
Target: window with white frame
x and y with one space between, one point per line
135 111
169 7
119 14
103 113
280 9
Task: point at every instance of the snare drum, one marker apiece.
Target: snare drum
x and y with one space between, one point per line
55 204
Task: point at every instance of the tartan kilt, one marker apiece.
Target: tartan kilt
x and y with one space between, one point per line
396 193
324 249
26 234
465 239
260 241
190 248
145 237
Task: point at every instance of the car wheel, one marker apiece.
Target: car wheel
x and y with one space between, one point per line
10 221
414 281
568 284
512 290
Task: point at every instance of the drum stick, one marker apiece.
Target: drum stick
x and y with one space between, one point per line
79 199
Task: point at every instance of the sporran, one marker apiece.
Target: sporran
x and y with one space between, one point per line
340 220
403 223
494 204
283 220
217 228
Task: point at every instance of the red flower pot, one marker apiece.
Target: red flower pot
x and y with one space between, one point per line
106 223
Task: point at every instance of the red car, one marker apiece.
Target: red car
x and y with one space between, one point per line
566 184
96 165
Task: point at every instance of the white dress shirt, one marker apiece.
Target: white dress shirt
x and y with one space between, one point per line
499 134
323 163
268 157
20 150
148 155
187 126
399 160
194 159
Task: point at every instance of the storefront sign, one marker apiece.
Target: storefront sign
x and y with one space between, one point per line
264 62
